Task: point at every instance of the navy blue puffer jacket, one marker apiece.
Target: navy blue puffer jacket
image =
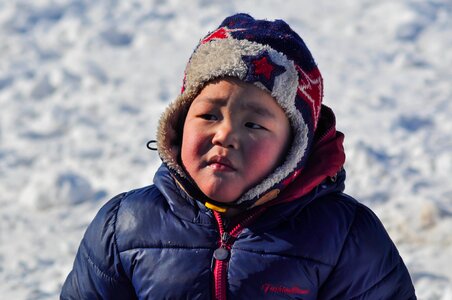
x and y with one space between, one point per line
158 243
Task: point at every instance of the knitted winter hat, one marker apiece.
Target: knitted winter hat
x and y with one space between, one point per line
270 55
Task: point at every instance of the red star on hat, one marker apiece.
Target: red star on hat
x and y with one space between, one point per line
262 66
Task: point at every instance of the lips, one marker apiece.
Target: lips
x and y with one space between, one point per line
220 163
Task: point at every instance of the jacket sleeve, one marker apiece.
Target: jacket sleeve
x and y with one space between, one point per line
369 265
97 272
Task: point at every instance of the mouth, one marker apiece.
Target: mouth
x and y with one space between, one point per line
220 163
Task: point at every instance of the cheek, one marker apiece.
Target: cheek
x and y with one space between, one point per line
192 147
264 155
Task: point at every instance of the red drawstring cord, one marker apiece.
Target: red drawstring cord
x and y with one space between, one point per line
221 266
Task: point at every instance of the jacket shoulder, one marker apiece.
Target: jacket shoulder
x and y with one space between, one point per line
100 242
368 265
97 272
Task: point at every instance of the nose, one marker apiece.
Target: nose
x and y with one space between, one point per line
226 135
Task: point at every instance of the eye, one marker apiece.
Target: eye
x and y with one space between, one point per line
208 117
254 125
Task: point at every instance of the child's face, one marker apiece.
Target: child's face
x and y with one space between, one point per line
235 134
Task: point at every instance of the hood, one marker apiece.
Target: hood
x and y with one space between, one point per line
324 163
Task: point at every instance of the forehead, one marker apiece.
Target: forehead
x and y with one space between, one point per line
236 94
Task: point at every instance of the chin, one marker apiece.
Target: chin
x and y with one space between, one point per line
222 198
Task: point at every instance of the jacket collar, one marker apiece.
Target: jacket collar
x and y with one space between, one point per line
189 209
180 202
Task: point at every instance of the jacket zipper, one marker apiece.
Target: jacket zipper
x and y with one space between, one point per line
222 254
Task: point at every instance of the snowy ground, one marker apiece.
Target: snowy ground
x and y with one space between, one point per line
82 84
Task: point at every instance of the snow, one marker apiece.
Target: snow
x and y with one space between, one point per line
82 85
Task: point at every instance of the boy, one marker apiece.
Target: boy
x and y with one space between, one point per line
248 202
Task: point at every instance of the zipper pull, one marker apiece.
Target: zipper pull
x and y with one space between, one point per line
222 253
225 237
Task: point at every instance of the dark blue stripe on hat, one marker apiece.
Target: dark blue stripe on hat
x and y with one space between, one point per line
277 34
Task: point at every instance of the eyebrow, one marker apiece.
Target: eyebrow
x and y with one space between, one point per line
215 101
259 109
256 108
